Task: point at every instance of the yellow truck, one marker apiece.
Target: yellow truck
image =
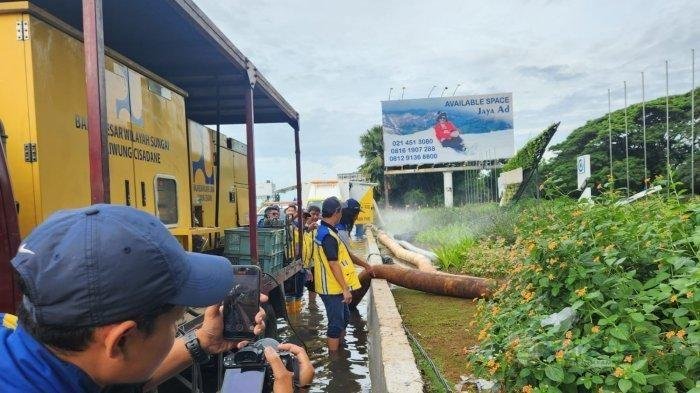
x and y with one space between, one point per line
159 161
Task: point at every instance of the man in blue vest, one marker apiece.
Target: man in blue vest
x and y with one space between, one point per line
335 276
104 287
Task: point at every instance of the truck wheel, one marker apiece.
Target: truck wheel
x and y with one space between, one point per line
270 321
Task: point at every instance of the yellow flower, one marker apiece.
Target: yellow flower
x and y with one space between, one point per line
628 359
673 298
528 389
515 343
550 276
568 334
689 294
619 372
493 366
581 291
552 245
559 355
670 334
680 334
576 213
483 335
566 342
595 329
596 259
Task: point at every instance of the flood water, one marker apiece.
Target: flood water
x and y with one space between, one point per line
348 370
345 372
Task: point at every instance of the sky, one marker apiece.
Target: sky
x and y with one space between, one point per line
335 61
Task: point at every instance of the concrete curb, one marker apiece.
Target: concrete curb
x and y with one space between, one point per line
391 363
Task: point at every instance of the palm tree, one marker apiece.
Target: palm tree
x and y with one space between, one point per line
372 151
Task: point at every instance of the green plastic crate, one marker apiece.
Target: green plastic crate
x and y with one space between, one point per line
268 264
237 241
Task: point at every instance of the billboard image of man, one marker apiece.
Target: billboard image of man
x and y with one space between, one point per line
447 133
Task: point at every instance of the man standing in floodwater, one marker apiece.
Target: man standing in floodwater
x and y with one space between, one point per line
310 249
334 273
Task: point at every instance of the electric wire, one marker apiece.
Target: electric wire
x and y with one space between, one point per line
286 318
430 361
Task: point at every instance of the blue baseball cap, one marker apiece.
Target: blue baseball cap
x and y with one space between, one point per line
353 205
331 205
108 263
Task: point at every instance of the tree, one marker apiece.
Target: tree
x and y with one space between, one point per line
592 138
372 150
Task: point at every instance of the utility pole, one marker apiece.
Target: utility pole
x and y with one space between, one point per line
627 149
612 179
644 133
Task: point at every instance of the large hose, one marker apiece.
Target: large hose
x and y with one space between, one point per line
410 247
433 282
421 262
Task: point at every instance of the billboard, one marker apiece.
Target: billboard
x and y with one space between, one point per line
448 129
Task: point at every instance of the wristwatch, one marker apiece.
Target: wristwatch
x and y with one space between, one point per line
199 355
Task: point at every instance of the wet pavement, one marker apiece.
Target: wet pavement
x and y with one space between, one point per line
348 370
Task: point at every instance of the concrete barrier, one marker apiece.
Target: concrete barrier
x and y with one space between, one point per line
392 366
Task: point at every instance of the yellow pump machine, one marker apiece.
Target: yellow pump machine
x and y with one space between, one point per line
159 161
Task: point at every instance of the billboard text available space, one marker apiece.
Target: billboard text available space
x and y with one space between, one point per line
447 129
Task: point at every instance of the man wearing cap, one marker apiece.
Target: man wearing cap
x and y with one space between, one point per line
348 216
271 215
334 273
104 287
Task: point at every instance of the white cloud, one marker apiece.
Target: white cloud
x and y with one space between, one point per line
334 61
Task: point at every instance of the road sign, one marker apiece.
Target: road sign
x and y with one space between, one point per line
583 170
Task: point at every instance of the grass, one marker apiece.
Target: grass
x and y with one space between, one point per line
442 331
455 235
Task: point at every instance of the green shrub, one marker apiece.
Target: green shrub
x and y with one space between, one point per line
631 275
453 256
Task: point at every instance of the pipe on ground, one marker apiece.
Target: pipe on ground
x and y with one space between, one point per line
432 282
410 247
421 262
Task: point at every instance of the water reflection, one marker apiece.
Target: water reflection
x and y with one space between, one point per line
346 371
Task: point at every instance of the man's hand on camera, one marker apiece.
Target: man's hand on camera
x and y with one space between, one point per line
210 335
306 369
284 379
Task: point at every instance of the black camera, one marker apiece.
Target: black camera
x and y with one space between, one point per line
248 370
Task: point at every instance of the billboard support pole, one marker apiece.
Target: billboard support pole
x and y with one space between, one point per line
386 190
447 186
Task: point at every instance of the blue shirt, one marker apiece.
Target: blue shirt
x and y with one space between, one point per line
27 366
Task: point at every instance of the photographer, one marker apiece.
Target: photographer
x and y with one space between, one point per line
104 287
